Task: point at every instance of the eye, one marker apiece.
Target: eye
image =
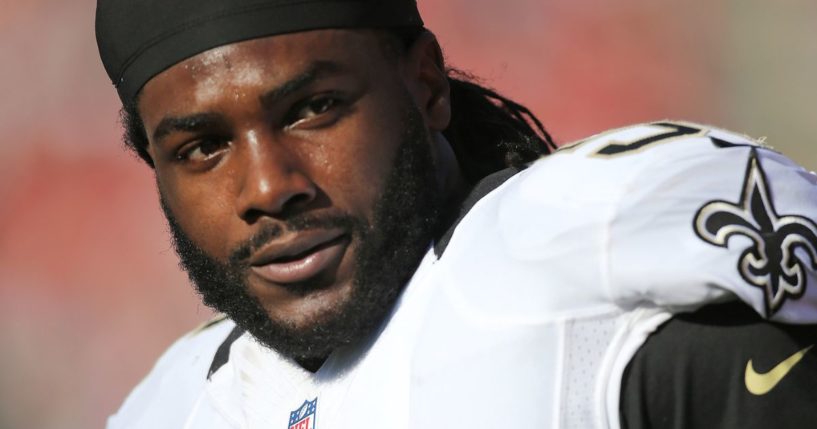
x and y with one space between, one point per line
315 112
202 150
317 107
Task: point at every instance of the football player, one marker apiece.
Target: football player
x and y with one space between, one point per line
390 248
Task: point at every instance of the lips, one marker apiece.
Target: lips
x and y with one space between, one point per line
299 258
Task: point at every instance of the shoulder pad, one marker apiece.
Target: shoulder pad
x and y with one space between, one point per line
669 213
165 397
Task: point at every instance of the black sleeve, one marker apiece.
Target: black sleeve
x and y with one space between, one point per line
695 372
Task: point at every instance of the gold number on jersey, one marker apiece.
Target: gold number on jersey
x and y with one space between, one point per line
616 148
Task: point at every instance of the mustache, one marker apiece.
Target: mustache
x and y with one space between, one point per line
304 222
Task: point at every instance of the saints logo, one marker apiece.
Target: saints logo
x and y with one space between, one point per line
770 262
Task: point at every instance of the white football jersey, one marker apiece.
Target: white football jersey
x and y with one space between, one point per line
545 290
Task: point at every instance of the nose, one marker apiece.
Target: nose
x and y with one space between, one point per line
273 182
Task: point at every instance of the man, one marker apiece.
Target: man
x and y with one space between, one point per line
389 251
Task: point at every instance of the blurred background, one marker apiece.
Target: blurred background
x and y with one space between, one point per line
90 293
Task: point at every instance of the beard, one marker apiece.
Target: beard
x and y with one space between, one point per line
406 217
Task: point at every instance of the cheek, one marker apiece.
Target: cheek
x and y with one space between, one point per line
359 154
356 164
202 211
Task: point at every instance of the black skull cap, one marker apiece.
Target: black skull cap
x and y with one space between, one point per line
138 39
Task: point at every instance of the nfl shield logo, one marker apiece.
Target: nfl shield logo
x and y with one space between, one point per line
304 416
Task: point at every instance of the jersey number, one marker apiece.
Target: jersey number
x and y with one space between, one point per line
677 130
617 147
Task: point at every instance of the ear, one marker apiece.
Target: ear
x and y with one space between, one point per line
426 79
149 151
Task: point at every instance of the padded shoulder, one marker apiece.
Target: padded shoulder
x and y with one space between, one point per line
670 214
680 214
165 397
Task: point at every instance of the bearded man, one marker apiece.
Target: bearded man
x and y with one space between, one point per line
389 250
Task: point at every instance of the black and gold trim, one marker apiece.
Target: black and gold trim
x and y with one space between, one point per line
223 352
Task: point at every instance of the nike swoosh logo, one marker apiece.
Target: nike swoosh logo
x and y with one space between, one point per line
761 384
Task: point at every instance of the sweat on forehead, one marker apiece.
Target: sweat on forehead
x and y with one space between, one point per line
139 39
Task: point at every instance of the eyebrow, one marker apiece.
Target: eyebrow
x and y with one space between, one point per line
199 121
188 124
315 71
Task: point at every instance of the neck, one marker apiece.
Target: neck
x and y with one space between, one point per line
311 364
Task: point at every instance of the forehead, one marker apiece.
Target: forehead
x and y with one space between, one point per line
263 61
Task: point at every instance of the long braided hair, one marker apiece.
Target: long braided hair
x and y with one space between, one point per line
488 132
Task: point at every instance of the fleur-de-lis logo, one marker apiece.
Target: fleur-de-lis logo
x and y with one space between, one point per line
770 263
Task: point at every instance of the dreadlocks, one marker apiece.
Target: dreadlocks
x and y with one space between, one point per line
488 132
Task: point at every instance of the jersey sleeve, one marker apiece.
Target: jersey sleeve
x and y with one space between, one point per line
722 366
670 215
711 212
678 215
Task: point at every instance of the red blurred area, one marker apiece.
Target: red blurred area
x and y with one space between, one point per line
586 66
